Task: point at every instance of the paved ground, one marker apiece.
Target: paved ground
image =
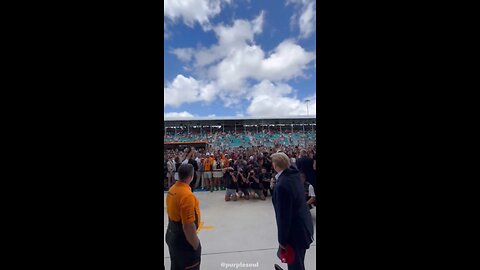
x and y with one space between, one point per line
238 232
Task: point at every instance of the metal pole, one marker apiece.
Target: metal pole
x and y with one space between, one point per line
307 101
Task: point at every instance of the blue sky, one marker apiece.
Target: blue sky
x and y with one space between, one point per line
239 58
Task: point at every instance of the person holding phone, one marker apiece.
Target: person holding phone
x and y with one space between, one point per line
243 184
231 184
255 184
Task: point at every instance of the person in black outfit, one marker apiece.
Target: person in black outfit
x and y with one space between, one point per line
243 184
255 184
190 160
230 183
294 221
305 165
265 179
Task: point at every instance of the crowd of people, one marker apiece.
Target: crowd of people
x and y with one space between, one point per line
241 172
245 139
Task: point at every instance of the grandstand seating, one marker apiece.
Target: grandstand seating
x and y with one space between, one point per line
246 139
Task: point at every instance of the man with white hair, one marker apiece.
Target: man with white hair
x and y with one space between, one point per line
294 221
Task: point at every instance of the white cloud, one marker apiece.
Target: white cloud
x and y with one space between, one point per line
305 17
187 90
183 114
227 69
287 61
307 20
230 39
269 99
184 54
192 11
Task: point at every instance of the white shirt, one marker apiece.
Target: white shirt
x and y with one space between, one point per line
311 191
278 175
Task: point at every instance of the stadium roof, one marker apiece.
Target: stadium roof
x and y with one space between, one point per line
176 119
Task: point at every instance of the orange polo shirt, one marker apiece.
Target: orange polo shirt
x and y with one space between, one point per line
182 205
208 164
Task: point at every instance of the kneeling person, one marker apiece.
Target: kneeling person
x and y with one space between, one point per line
231 184
243 185
255 184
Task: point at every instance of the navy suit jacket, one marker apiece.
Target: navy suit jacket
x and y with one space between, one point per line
294 221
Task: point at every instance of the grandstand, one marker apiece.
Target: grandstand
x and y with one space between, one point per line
242 131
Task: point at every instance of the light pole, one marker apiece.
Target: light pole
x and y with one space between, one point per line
307 101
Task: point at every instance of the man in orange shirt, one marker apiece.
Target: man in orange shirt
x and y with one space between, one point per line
207 174
183 222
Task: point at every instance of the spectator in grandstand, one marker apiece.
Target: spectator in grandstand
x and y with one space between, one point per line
231 184
305 165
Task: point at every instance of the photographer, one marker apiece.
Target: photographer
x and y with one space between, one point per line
231 184
243 184
265 179
255 184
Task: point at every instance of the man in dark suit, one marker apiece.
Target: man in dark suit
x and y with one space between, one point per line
294 221
305 165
